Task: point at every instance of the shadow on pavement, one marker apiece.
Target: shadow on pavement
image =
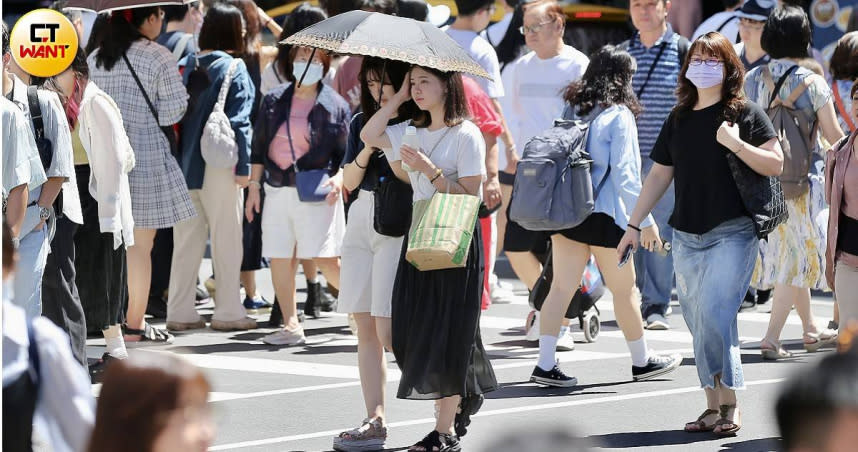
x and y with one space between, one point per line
754 445
519 389
650 439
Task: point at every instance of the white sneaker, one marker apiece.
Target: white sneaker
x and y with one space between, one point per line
531 327
565 341
286 337
501 294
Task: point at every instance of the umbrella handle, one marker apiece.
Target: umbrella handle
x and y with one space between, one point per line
307 67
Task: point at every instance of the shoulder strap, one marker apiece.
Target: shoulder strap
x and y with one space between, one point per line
838 101
777 87
142 90
45 152
797 92
181 45
224 87
730 19
683 45
652 68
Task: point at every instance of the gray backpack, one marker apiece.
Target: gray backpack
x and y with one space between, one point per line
553 189
796 133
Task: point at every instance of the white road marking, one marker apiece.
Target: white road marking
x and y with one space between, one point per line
488 413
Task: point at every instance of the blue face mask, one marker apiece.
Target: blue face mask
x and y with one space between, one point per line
705 76
314 73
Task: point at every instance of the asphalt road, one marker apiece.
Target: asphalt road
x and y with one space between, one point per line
269 398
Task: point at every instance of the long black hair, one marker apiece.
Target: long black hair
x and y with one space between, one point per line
607 81
301 17
512 45
394 75
117 33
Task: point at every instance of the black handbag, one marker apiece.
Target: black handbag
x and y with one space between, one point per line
167 130
392 207
762 196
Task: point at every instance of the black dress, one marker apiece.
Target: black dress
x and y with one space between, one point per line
101 271
436 329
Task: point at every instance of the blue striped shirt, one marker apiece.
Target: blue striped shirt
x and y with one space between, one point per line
659 97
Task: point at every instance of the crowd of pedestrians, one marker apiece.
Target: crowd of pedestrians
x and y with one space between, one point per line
108 170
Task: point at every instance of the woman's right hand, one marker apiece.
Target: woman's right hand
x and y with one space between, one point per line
251 207
632 239
404 94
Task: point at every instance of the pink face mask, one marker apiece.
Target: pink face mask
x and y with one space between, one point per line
705 76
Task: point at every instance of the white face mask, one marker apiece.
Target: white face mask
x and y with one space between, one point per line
314 73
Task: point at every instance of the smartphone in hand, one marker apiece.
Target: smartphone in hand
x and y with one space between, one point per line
627 254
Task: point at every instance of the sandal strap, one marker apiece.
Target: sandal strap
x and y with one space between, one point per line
429 442
708 412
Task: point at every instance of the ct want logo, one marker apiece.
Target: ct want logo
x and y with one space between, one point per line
44 42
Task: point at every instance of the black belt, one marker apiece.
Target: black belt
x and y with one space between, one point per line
847 235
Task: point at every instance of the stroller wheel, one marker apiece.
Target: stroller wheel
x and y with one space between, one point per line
592 326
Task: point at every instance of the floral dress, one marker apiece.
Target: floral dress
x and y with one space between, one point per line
794 253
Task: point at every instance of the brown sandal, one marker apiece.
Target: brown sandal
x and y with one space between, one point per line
725 426
699 426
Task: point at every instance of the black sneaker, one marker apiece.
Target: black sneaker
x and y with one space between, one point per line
657 366
553 377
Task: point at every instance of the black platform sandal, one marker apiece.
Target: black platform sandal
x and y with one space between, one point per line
437 442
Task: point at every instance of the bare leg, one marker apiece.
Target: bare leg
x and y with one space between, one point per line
526 266
621 283
310 269
139 277
569 259
447 414
330 267
782 301
283 273
373 372
506 194
802 307
248 280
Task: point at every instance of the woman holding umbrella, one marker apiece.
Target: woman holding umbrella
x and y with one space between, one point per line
436 337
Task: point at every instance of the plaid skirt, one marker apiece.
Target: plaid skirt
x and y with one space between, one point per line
159 193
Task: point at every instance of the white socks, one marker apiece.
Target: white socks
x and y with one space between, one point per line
640 352
547 348
115 342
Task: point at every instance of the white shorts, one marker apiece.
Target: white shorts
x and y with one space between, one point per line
309 229
369 263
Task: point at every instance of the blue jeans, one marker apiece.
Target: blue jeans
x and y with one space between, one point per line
33 251
654 273
713 271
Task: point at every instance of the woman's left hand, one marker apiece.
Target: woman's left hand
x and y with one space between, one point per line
728 135
336 184
416 159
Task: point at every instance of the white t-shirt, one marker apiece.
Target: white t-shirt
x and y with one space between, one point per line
536 91
484 54
459 153
730 30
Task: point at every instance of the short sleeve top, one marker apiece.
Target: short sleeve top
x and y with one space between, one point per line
459 152
706 194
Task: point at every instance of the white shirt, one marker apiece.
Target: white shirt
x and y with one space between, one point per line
111 158
458 151
484 54
496 31
536 89
57 129
271 78
730 30
21 164
65 410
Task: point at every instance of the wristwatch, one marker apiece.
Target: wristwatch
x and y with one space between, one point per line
15 242
45 212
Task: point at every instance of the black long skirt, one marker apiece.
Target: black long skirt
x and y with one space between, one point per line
101 271
436 329
251 237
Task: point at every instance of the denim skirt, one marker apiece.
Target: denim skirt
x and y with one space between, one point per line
713 272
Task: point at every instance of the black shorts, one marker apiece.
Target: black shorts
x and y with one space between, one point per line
598 229
516 239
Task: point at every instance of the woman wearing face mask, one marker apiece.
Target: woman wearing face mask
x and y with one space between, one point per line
141 76
369 258
714 243
303 124
793 258
436 337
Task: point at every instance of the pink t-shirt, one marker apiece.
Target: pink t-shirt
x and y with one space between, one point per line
279 151
850 189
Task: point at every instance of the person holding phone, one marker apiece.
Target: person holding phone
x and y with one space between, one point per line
714 243
604 96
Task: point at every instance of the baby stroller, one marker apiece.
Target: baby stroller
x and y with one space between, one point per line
583 304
